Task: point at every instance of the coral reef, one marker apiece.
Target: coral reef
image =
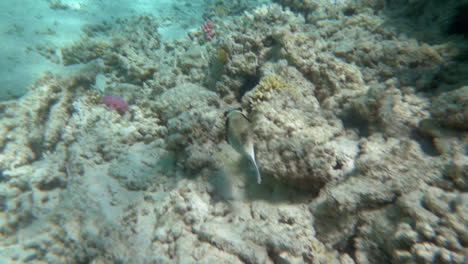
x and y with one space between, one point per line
451 109
128 46
84 51
360 142
193 124
267 85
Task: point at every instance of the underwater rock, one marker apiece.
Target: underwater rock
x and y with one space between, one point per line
390 110
138 169
176 100
36 123
451 108
193 120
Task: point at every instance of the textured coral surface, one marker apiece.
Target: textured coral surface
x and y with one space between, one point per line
360 131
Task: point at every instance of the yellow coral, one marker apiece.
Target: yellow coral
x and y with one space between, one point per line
267 84
223 56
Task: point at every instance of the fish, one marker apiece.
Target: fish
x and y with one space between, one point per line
239 135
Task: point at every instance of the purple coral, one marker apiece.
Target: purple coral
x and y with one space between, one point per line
115 103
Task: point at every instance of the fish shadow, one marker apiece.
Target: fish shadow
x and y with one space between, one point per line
240 183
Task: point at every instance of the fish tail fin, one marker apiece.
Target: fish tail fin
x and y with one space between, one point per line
257 171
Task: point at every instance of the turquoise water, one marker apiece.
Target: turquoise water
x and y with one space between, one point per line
209 131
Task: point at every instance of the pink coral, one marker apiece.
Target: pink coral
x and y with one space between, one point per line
208 29
115 103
